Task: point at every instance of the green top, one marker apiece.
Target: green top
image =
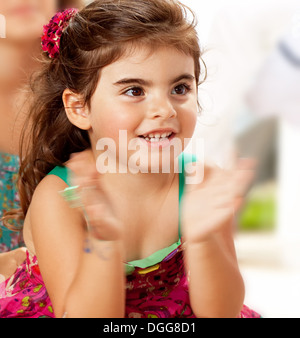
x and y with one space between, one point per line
158 256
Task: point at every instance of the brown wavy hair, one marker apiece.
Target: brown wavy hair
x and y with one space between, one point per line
63 4
98 35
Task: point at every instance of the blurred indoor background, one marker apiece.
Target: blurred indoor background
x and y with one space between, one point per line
251 108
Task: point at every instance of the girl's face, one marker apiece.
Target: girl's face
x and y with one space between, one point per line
151 96
24 19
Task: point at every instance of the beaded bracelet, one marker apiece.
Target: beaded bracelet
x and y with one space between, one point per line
72 196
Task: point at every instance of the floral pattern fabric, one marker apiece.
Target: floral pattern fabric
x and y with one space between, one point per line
24 293
159 291
9 199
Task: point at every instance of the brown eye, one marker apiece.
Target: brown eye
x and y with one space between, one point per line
181 90
135 91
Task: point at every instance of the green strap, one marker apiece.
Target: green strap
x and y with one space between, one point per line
61 172
153 259
184 158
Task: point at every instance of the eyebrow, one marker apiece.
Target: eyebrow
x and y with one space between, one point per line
188 77
143 82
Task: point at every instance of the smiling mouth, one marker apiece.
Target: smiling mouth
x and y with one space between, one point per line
157 137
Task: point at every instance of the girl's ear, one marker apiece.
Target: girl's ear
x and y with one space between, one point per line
77 112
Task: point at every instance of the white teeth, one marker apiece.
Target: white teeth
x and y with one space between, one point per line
157 136
156 139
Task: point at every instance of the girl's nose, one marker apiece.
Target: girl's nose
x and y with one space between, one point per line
161 107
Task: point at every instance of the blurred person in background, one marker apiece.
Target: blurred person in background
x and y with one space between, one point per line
20 49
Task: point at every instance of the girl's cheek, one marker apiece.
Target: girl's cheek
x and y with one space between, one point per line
110 126
188 121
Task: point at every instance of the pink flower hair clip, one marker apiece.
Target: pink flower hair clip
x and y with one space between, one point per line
53 31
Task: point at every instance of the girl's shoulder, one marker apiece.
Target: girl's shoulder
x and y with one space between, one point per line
53 182
49 213
46 211
62 172
47 195
46 199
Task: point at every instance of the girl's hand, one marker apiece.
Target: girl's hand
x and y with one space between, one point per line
97 209
208 207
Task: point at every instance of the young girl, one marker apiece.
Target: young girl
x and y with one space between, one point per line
123 242
23 27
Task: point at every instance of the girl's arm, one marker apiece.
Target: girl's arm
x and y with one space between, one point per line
215 283
98 288
80 283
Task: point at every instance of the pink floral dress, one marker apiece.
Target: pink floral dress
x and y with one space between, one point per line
161 290
24 293
156 291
